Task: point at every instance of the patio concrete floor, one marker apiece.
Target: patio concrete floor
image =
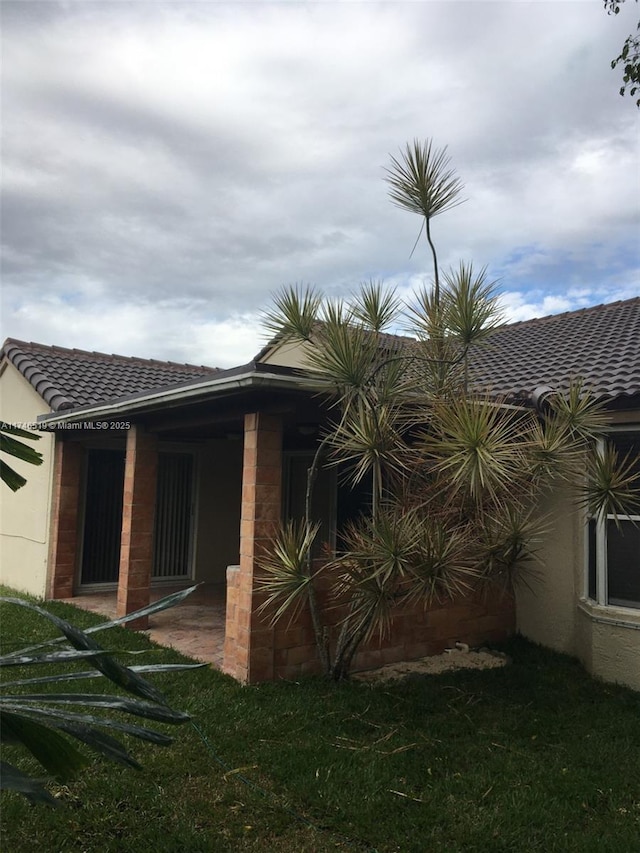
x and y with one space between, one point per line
195 627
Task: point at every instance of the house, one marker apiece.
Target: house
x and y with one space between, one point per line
35 381
189 479
587 602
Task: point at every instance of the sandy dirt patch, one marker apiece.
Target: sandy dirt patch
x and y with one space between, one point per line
458 658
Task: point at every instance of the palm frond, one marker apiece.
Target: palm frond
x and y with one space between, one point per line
286 578
443 562
114 671
344 353
421 181
294 314
136 707
94 673
53 751
469 304
18 450
508 542
10 477
42 723
425 314
375 307
368 437
381 546
553 453
372 601
613 484
158 606
477 445
13 779
580 411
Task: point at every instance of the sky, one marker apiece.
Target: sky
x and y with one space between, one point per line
168 167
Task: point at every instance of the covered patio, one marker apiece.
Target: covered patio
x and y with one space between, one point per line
194 627
252 436
244 449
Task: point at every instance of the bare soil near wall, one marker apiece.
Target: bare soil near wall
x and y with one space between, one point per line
435 664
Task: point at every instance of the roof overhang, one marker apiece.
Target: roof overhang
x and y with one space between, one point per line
226 383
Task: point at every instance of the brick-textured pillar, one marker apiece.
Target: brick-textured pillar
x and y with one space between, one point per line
138 512
65 509
249 642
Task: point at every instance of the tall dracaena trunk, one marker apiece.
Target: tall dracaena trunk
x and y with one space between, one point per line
376 489
337 665
439 332
436 273
349 640
319 630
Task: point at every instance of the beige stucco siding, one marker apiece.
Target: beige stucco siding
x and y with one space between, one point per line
287 355
25 514
218 509
609 643
556 612
546 612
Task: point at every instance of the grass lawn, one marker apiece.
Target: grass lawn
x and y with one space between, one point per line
533 757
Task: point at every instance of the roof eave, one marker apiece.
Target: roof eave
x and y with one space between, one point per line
218 386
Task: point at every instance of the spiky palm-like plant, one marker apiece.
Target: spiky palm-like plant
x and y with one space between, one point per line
421 181
456 476
10 444
49 724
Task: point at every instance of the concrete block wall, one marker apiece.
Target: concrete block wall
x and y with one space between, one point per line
65 521
289 651
415 633
254 651
138 516
249 641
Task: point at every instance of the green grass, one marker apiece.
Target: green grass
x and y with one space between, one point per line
533 757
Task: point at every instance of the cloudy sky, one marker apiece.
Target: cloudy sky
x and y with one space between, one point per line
169 166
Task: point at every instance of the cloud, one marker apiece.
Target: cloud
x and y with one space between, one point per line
86 318
168 166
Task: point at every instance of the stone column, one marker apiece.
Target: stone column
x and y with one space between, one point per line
249 642
64 547
138 514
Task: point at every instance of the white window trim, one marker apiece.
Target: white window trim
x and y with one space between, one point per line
610 614
601 601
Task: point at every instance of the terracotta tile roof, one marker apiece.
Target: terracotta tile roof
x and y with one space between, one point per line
600 345
392 343
66 378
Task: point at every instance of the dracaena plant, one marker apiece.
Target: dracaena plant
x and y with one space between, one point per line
11 445
51 725
455 477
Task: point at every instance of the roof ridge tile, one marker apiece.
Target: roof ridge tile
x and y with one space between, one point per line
67 378
53 348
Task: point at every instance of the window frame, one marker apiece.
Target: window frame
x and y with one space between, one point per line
601 598
288 456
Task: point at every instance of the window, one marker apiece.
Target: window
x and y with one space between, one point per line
335 500
296 466
173 537
104 483
613 571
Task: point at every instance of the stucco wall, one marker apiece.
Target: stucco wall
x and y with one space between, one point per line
287 355
25 514
609 642
557 614
218 509
546 613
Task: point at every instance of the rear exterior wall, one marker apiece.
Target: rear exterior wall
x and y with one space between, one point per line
25 514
